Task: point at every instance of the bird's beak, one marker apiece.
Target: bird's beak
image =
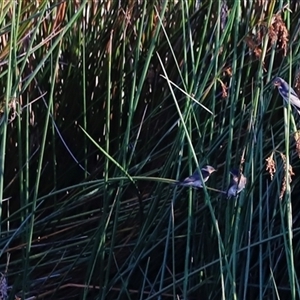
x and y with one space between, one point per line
276 83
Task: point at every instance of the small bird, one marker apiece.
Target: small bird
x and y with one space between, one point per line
287 93
237 184
195 180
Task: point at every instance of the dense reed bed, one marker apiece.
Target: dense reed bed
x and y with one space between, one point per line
104 105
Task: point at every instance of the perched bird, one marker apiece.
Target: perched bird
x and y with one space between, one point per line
195 180
287 93
237 184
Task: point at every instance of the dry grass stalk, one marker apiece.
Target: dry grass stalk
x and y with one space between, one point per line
278 33
224 88
297 140
289 169
271 166
297 82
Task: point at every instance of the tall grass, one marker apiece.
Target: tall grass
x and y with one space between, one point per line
104 106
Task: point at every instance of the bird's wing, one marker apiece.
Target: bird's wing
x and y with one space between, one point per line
292 92
192 178
285 92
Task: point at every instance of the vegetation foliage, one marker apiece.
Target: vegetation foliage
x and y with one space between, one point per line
104 106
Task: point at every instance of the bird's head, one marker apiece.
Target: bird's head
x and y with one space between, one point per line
286 91
279 82
209 169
